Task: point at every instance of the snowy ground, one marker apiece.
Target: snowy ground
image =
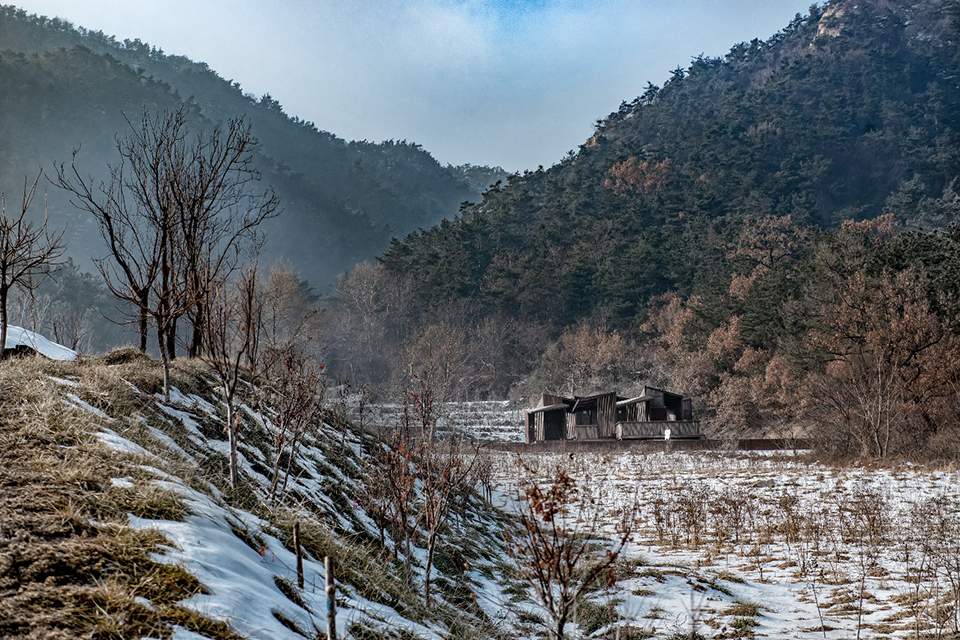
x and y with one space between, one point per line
735 545
242 558
767 545
484 421
18 336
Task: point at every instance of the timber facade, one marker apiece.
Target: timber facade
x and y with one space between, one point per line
654 415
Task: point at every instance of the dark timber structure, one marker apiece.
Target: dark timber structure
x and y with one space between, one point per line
654 415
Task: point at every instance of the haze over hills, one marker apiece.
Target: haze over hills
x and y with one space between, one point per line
773 234
66 88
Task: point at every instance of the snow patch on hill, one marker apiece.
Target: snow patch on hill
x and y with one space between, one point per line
243 560
20 337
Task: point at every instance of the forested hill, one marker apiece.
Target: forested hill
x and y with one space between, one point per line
62 88
849 112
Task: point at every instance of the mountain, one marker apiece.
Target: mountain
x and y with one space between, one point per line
847 113
65 88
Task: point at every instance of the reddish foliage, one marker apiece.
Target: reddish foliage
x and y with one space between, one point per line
637 176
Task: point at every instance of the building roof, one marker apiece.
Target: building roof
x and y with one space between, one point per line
552 407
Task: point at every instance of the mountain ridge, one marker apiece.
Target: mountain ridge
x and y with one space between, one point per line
344 200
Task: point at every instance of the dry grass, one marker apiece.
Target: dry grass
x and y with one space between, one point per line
62 576
69 565
370 572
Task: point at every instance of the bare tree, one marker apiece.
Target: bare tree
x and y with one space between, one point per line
219 213
71 327
891 368
27 250
290 314
291 390
175 216
555 545
231 327
446 471
393 476
133 210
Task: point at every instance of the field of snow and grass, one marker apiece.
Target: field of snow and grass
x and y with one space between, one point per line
728 545
482 420
769 545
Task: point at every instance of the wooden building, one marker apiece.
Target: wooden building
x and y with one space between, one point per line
655 414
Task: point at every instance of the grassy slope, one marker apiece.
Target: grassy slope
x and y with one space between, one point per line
95 466
69 565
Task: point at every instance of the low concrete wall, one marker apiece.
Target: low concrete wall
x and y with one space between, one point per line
563 446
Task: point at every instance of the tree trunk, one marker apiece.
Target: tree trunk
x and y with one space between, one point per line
232 433
161 340
172 339
294 452
196 341
278 451
561 625
408 557
431 545
33 303
144 327
3 322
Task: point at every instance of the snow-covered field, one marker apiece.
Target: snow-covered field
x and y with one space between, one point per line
483 421
768 545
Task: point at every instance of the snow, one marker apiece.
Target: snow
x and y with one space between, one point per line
241 580
669 585
110 438
834 577
183 634
17 336
81 404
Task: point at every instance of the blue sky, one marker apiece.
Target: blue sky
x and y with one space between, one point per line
515 83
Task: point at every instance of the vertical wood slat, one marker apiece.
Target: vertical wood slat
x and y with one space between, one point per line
331 592
296 544
606 414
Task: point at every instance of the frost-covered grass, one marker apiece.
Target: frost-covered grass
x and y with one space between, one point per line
772 545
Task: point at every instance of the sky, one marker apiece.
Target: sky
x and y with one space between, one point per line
514 83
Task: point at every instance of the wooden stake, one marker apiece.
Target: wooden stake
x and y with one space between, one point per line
296 544
331 600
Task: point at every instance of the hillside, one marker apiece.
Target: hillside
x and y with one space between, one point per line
706 237
846 113
116 519
66 88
